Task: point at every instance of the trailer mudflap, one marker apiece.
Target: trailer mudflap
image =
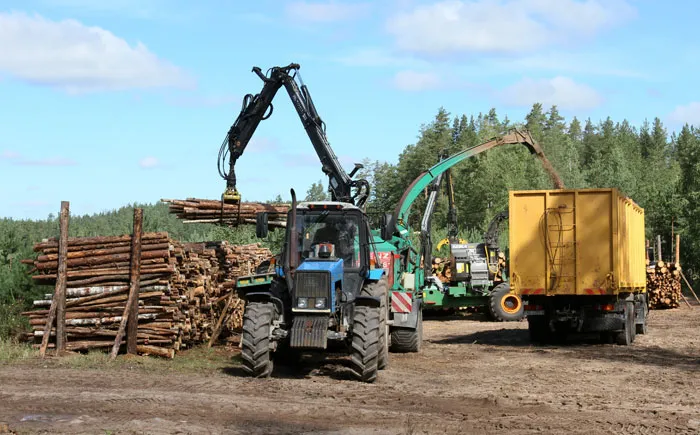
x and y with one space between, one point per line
407 320
309 332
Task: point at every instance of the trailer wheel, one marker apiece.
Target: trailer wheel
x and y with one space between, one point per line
624 337
505 306
408 340
642 326
365 343
255 340
380 289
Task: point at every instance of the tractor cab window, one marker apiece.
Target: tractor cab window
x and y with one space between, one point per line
326 234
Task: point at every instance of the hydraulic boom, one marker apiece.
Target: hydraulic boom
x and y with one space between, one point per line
412 192
256 108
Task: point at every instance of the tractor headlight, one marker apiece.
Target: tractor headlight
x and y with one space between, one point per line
320 303
303 303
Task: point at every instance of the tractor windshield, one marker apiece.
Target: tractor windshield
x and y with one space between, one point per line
339 229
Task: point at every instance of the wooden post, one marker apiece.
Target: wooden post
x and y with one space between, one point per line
61 278
678 249
59 296
130 315
135 278
646 251
658 248
222 318
689 286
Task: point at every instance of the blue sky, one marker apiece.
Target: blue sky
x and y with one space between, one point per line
108 103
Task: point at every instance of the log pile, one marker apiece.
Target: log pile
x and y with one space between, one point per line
663 284
193 210
183 289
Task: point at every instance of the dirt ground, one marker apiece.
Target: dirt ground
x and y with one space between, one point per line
472 377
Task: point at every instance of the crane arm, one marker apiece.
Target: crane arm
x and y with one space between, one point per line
493 231
425 230
259 107
515 136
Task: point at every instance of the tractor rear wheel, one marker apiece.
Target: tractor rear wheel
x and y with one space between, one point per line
255 340
365 348
505 306
379 289
408 340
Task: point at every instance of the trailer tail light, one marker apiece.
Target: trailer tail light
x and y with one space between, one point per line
605 307
534 308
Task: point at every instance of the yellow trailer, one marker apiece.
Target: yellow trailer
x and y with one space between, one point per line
577 259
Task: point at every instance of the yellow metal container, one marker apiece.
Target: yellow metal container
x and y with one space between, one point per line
576 242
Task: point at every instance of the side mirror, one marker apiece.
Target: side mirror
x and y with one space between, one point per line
387 226
261 227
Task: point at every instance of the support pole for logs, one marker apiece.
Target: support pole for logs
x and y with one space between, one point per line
678 249
689 286
658 248
135 278
61 278
130 315
58 301
220 322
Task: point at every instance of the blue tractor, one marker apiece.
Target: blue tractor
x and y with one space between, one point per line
324 289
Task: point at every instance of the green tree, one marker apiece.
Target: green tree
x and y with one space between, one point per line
317 192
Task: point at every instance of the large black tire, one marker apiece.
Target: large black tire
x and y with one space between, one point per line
624 337
256 349
365 352
505 306
408 340
380 289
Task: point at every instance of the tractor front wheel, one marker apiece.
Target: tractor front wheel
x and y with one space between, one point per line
365 349
255 340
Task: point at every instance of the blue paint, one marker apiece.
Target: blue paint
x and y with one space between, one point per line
375 274
334 267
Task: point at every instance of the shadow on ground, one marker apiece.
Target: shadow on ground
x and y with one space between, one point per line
310 365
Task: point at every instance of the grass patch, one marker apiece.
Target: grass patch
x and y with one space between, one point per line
12 322
199 359
12 351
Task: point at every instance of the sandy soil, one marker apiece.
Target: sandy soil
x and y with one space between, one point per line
472 377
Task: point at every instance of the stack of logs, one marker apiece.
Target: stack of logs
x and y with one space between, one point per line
193 210
183 289
663 284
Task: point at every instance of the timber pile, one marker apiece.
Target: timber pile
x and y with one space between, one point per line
664 285
182 287
193 210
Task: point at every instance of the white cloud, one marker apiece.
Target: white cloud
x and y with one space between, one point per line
409 80
686 114
561 91
326 12
149 162
75 57
18 159
502 26
9 155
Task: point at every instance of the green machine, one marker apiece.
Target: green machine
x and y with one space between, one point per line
477 270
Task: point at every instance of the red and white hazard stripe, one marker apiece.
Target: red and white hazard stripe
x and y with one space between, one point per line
401 302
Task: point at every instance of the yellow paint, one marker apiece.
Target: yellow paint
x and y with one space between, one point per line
576 241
